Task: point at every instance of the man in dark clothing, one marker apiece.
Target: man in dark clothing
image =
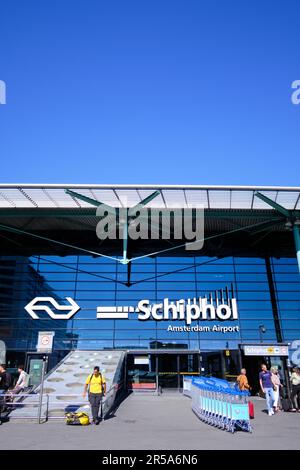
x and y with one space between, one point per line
5 378
5 384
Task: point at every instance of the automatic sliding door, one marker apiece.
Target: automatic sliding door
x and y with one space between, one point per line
168 370
189 364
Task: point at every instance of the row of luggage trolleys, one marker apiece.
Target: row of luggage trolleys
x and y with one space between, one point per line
218 403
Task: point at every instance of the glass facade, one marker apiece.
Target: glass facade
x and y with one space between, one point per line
94 282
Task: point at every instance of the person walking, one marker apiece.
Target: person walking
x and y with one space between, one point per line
6 382
6 379
22 381
96 386
277 386
295 396
267 387
242 381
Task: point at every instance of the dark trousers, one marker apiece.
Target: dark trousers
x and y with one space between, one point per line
296 394
95 400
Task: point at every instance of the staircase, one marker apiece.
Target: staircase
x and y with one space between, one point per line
63 386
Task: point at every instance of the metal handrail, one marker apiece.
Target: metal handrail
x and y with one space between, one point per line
15 403
41 402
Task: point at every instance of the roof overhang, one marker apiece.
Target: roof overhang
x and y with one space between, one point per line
236 222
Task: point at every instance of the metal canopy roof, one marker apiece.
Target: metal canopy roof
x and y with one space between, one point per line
48 196
45 219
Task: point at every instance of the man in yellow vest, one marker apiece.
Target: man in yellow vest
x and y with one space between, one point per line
96 386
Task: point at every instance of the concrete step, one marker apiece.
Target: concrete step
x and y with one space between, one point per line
64 385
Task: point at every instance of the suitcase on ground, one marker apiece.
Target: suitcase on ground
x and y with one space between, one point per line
251 409
286 404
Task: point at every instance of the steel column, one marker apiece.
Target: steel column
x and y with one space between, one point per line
296 231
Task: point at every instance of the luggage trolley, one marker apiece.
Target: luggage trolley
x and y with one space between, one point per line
216 403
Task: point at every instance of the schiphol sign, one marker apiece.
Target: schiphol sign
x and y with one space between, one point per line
187 311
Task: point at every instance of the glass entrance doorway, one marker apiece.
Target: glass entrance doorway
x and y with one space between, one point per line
161 369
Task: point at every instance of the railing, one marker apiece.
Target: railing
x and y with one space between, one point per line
11 402
44 403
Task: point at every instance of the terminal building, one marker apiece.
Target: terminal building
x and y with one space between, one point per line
70 268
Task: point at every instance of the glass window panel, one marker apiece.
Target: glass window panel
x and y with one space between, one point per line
174 295
253 295
250 268
241 199
287 286
259 204
290 314
185 276
287 199
95 344
283 261
290 304
142 288
101 286
211 268
249 261
289 296
219 199
98 268
215 277
94 295
244 277
287 277
91 323
136 296
135 334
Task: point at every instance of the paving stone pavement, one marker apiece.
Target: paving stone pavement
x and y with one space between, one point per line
155 422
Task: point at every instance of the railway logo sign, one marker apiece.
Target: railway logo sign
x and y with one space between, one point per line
40 304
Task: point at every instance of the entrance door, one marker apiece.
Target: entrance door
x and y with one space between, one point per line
212 364
252 364
160 368
34 366
172 368
168 371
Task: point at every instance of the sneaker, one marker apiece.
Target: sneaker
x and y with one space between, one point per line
270 413
97 422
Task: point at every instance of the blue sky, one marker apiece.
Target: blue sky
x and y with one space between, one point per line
150 91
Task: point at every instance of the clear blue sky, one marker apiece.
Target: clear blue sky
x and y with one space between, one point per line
150 91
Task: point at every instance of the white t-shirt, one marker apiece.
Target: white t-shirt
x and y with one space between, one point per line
22 380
